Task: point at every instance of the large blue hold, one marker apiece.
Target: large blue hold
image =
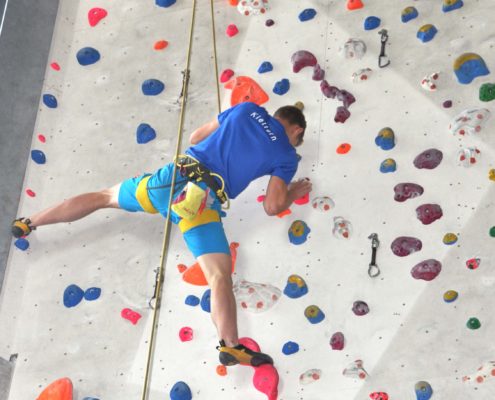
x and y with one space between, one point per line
205 301
290 348
307 14
371 23
38 156
423 391
180 391
408 14
426 33
73 295
192 300
22 244
92 294
87 56
50 101
165 3
265 66
152 87
145 133
281 87
451 5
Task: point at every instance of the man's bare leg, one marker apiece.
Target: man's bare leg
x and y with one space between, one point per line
77 207
217 268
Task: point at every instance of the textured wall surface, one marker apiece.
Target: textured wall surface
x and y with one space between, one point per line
410 334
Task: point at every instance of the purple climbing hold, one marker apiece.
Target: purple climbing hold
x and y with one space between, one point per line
405 245
269 22
145 133
307 14
266 66
447 104
328 90
152 87
426 270
180 391
301 59
428 213
165 3
93 293
346 98
360 308
73 295
87 56
50 101
290 348
38 156
205 301
342 114
428 159
318 73
337 341
406 191
192 300
281 87
21 244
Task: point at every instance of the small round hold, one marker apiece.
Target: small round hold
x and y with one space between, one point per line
299 105
447 104
269 22
344 148
450 296
473 323
492 231
450 239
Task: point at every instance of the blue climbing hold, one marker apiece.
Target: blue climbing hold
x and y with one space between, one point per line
92 294
423 391
388 165
385 139
451 5
408 14
265 66
192 300
281 87
50 101
205 301
296 287
469 66
307 14
152 87
90 398
21 244
426 33
290 348
165 3
314 314
73 295
87 56
180 391
298 232
38 156
145 133
371 23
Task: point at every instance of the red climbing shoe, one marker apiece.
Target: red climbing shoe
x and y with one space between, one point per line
240 354
22 227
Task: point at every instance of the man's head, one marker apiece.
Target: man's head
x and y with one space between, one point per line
294 123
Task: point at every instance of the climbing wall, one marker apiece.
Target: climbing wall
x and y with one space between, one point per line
424 185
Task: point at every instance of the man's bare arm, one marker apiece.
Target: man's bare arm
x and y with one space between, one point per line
279 195
203 132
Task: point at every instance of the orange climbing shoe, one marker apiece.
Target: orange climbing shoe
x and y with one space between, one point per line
21 227
240 354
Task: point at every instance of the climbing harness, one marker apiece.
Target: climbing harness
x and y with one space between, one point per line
373 270
383 59
184 225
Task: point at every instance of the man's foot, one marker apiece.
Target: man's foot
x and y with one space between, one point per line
22 227
240 354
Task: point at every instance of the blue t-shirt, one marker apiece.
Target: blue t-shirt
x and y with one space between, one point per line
248 144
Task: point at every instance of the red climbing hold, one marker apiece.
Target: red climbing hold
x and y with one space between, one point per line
95 15
130 315
302 200
232 30
265 380
226 75
246 89
61 389
261 198
221 370
160 45
354 4
186 334
344 148
284 213
55 66
41 138
30 193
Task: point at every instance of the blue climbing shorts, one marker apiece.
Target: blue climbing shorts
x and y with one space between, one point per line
203 235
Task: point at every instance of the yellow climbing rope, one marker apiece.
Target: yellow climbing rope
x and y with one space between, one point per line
166 239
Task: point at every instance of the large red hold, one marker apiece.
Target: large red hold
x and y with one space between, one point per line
95 15
61 389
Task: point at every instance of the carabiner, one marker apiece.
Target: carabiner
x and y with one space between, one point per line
373 270
383 60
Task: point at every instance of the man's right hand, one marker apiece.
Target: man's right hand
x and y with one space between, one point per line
299 188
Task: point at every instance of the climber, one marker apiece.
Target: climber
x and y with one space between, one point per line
242 144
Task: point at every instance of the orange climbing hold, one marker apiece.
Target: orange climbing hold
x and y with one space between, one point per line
160 45
344 148
221 370
354 4
284 213
61 389
246 89
194 274
233 2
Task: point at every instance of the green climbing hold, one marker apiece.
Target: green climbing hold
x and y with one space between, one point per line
487 92
473 323
492 231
